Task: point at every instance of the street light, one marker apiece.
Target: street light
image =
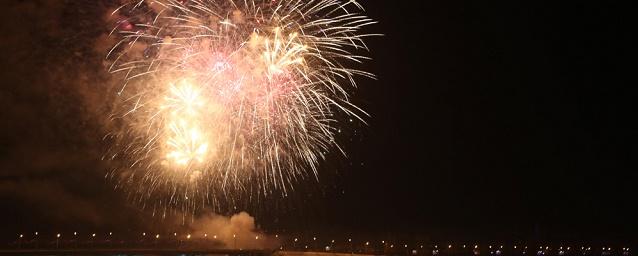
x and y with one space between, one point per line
350 241
235 241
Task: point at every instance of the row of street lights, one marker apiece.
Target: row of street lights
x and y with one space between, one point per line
296 240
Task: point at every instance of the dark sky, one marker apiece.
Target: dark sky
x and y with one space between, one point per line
489 120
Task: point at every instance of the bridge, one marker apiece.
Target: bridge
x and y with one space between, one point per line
141 251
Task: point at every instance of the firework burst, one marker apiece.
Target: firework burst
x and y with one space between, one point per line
224 95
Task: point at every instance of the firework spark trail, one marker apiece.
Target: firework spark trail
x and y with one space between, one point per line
223 95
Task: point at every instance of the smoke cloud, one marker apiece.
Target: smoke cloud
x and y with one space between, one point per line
235 232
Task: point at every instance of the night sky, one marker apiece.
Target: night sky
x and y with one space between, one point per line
489 120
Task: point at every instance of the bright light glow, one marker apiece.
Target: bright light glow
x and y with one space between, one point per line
222 97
